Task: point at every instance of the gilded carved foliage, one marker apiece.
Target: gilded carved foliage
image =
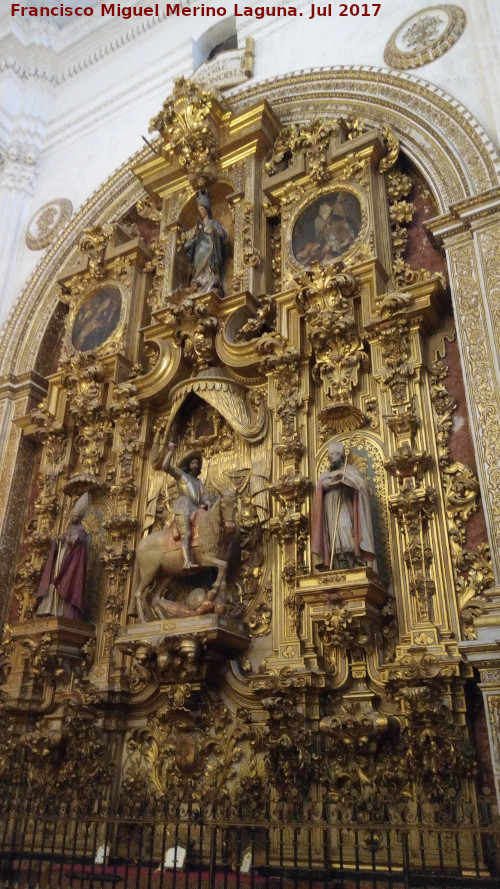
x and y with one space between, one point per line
435 751
473 568
398 370
392 146
289 525
42 663
312 139
126 413
251 572
148 208
288 753
83 378
283 362
157 265
185 756
359 765
341 629
356 169
6 652
413 508
251 256
116 557
325 302
11 765
68 767
184 125
294 603
262 322
52 434
93 243
196 332
401 212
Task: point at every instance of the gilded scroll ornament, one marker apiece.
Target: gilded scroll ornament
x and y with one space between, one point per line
359 758
288 752
392 145
356 170
398 371
6 652
436 753
157 264
196 332
260 620
401 212
126 411
283 362
117 559
75 766
148 208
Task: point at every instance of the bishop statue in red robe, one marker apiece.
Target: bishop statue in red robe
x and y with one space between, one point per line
61 592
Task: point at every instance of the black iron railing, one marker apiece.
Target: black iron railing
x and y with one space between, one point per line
63 850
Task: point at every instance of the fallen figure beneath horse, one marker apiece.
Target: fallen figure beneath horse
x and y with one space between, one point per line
213 531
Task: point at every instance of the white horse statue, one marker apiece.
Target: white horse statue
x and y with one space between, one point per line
213 530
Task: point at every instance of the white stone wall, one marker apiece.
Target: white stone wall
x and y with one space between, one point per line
76 95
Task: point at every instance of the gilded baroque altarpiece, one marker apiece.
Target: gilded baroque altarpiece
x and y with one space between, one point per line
283 685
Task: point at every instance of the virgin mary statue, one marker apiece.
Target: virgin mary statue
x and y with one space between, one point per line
205 248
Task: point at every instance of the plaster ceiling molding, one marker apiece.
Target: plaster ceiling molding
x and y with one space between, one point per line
47 222
28 60
442 138
34 49
425 36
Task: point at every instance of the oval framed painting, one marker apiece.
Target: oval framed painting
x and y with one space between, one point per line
96 319
327 228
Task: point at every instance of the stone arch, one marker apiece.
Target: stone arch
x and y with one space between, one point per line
438 134
441 136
